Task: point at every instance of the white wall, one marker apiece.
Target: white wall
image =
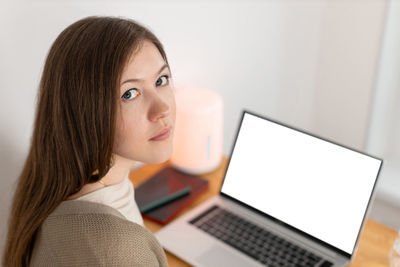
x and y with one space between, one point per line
307 63
384 129
349 47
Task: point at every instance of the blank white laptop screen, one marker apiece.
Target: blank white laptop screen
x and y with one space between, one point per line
316 186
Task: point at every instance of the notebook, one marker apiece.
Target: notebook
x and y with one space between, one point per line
169 179
288 198
158 191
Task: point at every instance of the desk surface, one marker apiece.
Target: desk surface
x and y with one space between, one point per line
375 243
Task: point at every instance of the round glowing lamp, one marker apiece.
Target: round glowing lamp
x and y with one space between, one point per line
198 134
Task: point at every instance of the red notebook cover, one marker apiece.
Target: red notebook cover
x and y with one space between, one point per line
167 212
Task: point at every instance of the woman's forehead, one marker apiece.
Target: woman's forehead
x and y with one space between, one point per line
146 61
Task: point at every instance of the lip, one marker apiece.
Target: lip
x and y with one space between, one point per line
163 134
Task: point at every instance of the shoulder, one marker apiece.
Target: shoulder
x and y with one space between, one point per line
99 239
95 226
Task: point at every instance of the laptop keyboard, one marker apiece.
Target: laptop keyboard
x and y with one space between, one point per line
256 242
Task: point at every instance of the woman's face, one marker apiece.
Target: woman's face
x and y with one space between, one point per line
147 103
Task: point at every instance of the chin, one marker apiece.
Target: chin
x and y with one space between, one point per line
160 158
157 155
158 161
160 155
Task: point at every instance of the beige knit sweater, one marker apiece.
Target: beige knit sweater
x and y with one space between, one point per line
82 233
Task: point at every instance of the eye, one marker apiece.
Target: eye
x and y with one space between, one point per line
130 94
160 80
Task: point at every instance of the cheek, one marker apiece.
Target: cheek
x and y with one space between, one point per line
133 131
130 134
173 105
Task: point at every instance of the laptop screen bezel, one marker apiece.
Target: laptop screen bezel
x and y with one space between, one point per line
319 241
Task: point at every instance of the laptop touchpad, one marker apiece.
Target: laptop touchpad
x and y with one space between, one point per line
219 256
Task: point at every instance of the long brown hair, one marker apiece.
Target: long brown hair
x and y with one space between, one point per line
75 122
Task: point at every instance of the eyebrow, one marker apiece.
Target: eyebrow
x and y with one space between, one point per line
138 80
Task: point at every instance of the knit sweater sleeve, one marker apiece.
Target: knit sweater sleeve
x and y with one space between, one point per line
95 240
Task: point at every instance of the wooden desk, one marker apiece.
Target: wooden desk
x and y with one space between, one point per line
375 243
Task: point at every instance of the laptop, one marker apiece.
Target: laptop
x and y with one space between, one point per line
288 198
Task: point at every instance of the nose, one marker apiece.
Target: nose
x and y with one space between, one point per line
159 108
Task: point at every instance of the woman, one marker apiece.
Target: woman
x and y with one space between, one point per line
105 102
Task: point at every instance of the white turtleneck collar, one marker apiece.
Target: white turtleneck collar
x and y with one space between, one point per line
119 196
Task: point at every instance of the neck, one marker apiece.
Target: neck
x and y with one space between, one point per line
117 173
